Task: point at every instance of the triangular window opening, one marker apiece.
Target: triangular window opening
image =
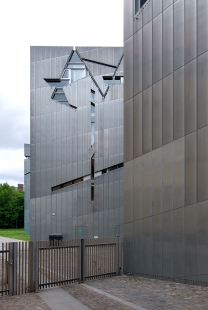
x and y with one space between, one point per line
75 69
59 95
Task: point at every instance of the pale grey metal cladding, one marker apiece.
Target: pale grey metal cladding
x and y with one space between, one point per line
61 146
165 149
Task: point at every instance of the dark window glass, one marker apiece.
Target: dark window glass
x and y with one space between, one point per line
142 2
92 193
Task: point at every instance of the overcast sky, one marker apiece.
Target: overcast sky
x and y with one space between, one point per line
42 22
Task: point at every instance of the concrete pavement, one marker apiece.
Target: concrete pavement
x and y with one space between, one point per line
58 299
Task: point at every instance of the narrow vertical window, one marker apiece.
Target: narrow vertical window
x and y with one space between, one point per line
137 6
92 95
92 177
92 133
92 124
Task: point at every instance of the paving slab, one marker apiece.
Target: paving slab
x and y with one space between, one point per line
58 299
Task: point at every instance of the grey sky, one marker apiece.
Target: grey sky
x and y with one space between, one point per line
36 22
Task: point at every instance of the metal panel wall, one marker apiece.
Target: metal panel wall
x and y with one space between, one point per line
147 121
202 94
147 56
128 69
167 109
190 29
202 164
178 34
137 122
167 40
137 62
202 29
128 130
157 181
190 97
61 150
170 171
157 48
191 169
178 105
157 115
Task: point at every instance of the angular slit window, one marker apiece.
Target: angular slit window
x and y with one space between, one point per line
93 95
92 133
139 4
59 97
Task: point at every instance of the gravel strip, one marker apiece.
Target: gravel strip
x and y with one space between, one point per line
93 300
23 302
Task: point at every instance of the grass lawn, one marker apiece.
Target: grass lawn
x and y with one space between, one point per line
15 233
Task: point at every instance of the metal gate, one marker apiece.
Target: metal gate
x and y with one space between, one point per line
29 266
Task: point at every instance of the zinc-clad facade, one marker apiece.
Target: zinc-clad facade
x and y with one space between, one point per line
62 148
166 140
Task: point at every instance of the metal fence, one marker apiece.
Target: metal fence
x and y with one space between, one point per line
29 266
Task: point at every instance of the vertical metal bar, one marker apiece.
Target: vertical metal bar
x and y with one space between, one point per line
46 264
75 262
40 262
69 252
22 263
11 272
49 267
30 266
26 264
37 267
82 260
93 257
2 270
18 268
7 269
15 267
43 264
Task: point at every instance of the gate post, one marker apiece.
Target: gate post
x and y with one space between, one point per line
82 260
33 266
12 268
119 256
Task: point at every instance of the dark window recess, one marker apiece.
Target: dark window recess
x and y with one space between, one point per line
112 168
139 4
92 177
93 94
60 186
92 167
112 80
92 193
